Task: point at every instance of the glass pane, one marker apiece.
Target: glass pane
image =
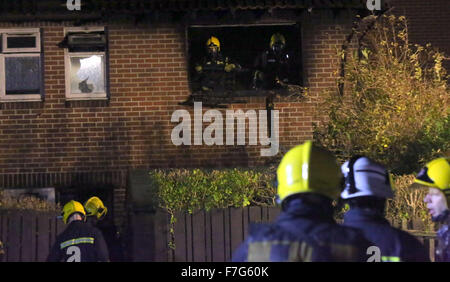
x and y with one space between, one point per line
87 74
23 75
21 41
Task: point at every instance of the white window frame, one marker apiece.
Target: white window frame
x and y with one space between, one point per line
20 33
19 52
67 55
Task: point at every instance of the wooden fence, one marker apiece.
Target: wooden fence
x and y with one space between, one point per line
206 236
200 237
28 236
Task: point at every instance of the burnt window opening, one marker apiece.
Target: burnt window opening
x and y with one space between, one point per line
250 49
84 42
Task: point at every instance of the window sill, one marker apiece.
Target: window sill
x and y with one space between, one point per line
20 99
86 98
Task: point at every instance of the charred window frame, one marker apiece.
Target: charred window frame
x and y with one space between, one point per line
86 63
21 65
242 43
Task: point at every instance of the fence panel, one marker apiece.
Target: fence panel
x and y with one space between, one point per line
180 237
218 241
14 237
199 235
238 224
43 238
27 236
3 224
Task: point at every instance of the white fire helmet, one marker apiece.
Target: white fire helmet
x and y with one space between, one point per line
364 177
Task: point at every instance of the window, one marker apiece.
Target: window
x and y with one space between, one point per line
86 63
21 72
262 69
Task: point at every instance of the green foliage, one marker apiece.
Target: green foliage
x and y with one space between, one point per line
26 203
182 190
395 105
192 190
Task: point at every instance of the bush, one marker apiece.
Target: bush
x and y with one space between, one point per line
26 203
395 104
408 205
182 190
192 190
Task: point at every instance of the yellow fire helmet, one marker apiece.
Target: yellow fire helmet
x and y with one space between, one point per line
71 208
95 207
214 41
435 174
308 169
277 37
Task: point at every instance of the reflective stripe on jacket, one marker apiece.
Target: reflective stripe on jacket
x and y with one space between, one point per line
394 244
303 232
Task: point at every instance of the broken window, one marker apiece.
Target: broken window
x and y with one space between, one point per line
85 61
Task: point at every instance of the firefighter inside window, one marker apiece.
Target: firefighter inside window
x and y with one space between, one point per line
215 72
274 68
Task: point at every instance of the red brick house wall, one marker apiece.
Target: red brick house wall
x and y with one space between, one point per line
148 78
59 143
56 141
428 22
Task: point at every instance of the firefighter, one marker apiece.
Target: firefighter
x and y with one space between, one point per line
274 67
95 214
308 181
436 176
95 210
79 242
368 185
215 72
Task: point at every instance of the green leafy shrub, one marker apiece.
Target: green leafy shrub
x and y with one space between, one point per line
182 190
192 190
395 103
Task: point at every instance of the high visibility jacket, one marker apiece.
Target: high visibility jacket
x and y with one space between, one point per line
303 232
443 238
79 242
394 245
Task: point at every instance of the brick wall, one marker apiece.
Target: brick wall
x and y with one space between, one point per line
428 22
56 140
148 78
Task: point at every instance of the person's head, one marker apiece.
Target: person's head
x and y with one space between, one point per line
308 171
277 42
213 46
436 202
95 208
436 176
73 211
367 184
